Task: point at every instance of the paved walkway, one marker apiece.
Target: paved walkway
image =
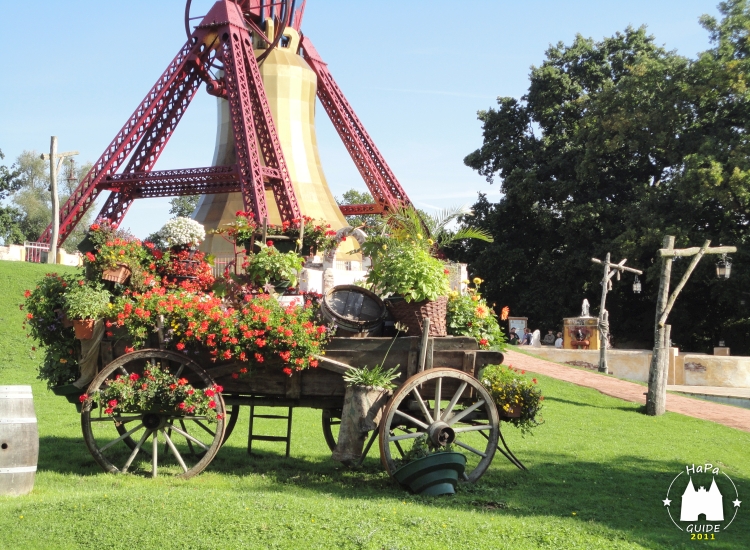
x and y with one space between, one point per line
733 417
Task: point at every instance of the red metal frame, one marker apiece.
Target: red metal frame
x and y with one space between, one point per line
223 37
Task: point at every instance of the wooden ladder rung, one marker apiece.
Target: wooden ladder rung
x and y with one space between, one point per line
251 436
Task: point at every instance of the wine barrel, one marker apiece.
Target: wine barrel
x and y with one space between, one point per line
356 311
19 440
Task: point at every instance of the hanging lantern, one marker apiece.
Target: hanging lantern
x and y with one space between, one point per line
637 285
724 267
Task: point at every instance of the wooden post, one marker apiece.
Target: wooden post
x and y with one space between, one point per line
656 399
610 269
55 161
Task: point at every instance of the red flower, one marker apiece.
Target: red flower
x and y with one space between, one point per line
227 354
533 380
269 243
128 349
314 363
134 376
235 375
94 226
112 403
27 293
447 271
148 245
173 387
83 397
218 388
181 405
109 334
523 372
191 391
29 316
483 342
209 392
212 404
182 381
108 411
287 371
180 346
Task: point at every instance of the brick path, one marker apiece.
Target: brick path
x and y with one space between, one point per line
733 417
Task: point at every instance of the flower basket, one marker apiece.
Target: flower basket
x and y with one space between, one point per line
283 244
120 274
433 475
84 328
412 313
514 411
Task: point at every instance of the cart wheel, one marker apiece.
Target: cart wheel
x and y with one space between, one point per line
443 404
169 444
331 421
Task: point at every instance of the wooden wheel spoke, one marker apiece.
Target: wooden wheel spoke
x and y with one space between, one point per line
123 436
411 419
202 425
474 428
179 371
422 405
438 390
155 453
465 412
405 436
449 409
135 451
175 452
117 419
469 448
190 437
189 443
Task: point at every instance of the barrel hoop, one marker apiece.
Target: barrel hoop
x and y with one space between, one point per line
18 470
16 396
18 420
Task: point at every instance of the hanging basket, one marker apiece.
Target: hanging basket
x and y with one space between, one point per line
412 313
513 412
120 274
84 328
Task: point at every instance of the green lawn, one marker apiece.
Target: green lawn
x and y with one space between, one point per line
598 471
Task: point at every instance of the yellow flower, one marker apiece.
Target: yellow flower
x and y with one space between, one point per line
419 236
475 298
465 281
299 241
478 281
481 312
430 241
385 247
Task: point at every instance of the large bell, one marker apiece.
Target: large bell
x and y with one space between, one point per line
290 87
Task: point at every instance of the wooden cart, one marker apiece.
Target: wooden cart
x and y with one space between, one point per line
437 390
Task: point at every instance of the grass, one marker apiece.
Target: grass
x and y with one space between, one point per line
598 471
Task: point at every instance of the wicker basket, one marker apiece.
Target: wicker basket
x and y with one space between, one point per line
412 313
120 274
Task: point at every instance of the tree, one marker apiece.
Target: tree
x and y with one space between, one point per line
368 222
10 218
615 144
33 199
183 207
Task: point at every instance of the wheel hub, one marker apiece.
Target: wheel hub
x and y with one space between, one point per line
441 434
154 421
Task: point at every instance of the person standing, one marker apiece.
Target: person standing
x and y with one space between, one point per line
559 341
549 339
526 340
513 338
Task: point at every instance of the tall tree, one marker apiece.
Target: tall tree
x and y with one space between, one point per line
606 152
183 207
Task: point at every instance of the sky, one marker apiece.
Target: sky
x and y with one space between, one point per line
415 72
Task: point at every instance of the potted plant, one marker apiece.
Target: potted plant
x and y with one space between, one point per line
182 233
269 266
518 399
117 257
158 391
470 315
430 468
367 391
85 303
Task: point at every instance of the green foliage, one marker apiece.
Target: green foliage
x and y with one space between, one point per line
86 300
8 179
271 266
616 144
469 315
44 308
183 207
510 389
369 223
408 270
377 377
156 391
421 447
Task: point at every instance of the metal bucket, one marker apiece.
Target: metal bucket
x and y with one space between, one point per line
356 311
19 440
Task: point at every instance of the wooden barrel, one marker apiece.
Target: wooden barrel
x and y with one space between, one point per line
356 311
19 440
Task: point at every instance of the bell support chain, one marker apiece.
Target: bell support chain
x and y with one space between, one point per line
656 398
610 270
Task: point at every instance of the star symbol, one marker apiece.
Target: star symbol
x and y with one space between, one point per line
667 502
736 502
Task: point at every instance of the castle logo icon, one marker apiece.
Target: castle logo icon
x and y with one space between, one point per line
695 503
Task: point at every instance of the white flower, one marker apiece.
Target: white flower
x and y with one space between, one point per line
182 232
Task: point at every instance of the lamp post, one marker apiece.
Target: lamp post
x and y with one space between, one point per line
54 168
610 270
724 267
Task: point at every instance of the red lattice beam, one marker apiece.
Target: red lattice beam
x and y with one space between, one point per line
360 209
379 178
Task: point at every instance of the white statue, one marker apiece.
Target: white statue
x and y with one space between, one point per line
536 339
585 308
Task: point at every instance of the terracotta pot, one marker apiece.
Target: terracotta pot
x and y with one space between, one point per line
84 328
119 274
